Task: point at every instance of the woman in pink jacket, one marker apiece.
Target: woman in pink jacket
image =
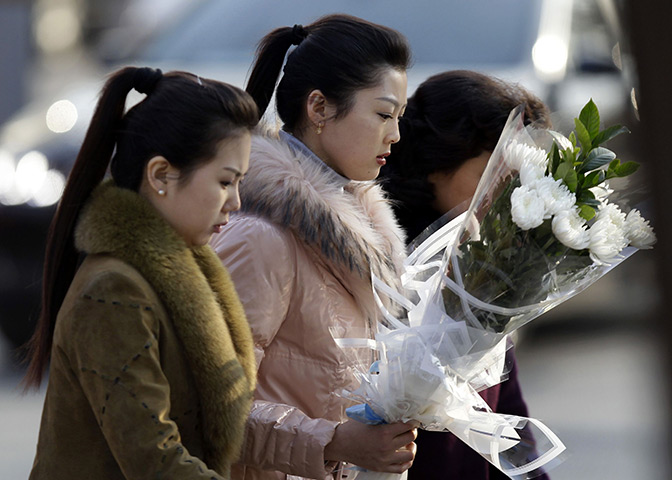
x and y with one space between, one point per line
311 229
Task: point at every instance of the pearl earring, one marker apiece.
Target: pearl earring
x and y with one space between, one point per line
319 128
161 191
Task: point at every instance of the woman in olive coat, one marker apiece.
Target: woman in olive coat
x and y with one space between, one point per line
151 361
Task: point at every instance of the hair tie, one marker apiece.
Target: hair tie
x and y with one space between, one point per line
298 34
146 78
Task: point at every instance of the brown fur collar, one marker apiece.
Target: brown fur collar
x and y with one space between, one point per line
355 228
200 297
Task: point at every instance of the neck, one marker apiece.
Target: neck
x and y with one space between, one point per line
313 141
298 145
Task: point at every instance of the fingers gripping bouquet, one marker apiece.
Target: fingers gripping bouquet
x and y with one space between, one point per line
540 229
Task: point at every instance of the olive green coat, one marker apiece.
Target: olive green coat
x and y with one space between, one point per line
152 370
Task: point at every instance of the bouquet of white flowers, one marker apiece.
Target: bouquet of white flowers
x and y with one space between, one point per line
538 231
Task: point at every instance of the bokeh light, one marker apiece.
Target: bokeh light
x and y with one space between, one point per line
61 116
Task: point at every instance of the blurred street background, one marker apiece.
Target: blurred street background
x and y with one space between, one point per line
595 370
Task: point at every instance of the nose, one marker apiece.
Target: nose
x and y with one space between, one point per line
395 135
233 201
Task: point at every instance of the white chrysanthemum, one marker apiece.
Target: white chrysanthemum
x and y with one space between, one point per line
607 234
517 154
514 154
527 209
531 172
570 229
638 231
611 212
555 194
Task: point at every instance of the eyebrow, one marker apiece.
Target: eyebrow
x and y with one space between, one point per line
233 170
389 99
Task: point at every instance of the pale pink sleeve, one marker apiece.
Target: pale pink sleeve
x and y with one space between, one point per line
262 263
261 259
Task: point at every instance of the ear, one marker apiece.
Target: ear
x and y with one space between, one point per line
318 108
157 172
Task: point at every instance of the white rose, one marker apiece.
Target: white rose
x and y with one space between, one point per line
527 209
570 229
638 231
555 194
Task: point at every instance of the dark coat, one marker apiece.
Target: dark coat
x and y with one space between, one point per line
152 368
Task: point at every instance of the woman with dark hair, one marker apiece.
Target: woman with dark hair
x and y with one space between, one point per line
151 361
311 228
451 126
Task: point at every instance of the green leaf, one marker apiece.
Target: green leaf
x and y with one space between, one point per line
567 174
586 211
583 135
554 157
586 197
618 169
572 138
596 158
609 133
593 179
592 202
568 156
590 118
562 170
627 168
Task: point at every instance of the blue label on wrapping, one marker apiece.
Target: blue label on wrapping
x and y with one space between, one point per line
364 414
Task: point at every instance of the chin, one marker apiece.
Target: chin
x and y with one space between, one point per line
199 242
368 176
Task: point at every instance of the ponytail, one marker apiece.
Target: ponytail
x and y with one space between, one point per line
88 171
270 57
183 118
337 54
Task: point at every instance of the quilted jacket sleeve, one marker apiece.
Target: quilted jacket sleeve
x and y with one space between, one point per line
281 437
261 262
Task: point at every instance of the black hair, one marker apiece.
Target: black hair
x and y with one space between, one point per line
452 117
183 118
337 54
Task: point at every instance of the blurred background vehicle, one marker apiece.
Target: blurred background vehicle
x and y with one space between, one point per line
566 51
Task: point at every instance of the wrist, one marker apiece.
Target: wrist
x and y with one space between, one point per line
332 450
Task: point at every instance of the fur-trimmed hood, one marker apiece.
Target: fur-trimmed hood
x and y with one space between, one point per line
200 299
352 226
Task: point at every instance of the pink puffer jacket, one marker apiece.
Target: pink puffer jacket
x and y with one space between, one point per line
300 254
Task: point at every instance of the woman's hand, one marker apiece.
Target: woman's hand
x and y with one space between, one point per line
380 448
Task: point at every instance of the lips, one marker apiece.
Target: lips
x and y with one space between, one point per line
219 227
381 159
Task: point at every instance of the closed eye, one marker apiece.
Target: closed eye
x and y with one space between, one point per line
385 116
228 183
